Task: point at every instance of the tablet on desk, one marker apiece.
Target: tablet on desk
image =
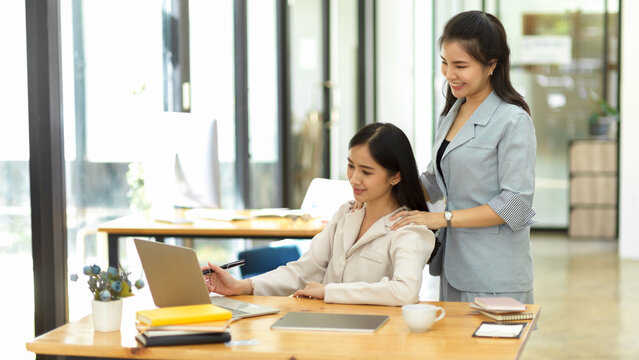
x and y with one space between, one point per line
330 322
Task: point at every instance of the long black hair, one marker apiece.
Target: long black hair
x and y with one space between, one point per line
390 148
483 37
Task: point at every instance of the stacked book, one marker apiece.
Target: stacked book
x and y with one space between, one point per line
183 325
501 308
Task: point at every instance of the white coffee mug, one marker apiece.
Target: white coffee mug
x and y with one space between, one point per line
420 317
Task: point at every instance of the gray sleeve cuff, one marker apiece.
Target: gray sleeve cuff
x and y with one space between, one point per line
430 184
513 209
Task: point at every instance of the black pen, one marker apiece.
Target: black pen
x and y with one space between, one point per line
226 266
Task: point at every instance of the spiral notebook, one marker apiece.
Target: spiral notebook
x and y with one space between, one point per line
508 317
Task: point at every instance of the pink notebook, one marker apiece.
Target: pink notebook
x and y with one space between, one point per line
499 304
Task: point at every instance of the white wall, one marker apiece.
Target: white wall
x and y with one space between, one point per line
629 146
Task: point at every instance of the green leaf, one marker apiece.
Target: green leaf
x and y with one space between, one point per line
126 290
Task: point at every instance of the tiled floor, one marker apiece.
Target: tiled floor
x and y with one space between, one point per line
589 298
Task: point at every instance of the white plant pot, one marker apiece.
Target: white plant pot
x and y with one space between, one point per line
107 315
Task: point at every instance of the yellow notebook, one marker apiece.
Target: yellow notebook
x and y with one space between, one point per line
175 315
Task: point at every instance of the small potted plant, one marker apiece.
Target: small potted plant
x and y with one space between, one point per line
603 122
108 288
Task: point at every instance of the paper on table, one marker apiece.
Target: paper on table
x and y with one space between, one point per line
215 214
208 326
281 212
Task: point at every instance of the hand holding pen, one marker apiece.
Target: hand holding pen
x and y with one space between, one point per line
222 282
232 264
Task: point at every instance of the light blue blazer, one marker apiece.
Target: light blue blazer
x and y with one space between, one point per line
490 161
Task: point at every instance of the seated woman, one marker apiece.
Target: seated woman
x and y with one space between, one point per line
357 258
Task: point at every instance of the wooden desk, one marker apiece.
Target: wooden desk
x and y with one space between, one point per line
449 338
144 225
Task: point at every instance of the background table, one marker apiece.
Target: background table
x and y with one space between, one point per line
450 338
142 224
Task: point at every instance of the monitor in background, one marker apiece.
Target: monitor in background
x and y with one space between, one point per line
324 197
196 164
183 167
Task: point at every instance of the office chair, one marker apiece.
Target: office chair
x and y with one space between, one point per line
262 259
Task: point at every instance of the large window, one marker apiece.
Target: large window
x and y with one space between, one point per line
344 44
15 210
262 103
213 80
112 91
404 91
564 60
306 117
211 43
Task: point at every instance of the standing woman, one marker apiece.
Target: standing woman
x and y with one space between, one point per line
484 168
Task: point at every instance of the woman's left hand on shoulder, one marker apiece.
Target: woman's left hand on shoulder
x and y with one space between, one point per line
407 217
356 205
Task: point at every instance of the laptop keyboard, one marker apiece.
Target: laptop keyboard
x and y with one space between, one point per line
235 312
241 309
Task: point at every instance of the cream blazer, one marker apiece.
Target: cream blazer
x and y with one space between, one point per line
383 267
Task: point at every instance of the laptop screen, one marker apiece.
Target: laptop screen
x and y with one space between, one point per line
173 273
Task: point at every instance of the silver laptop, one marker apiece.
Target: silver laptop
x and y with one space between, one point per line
330 322
175 279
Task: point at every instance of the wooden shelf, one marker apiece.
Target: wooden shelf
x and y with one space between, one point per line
593 188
